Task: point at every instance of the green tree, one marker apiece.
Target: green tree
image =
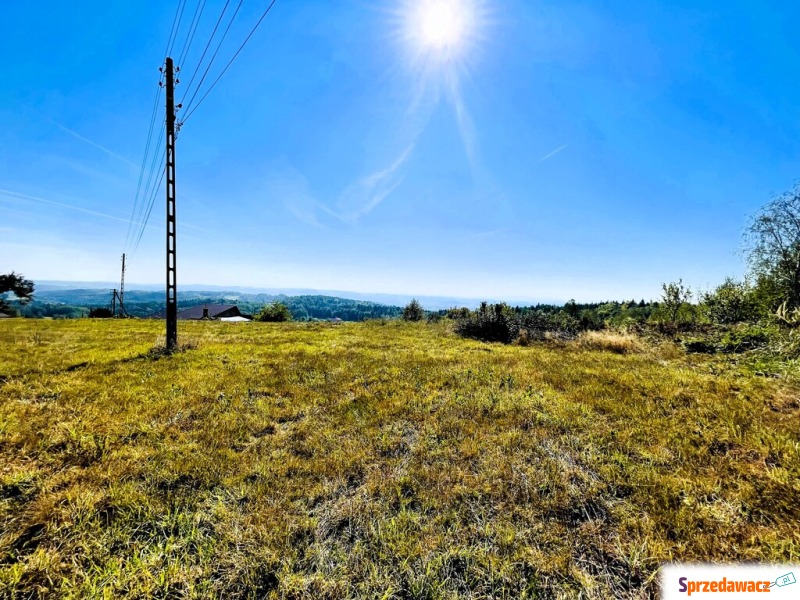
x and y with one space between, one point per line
16 284
458 312
675 296
731 302
772 244
572 309
276 312
413 311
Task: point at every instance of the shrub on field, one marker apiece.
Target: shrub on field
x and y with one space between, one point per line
731 302
786 344
501 323
277 312
675 310
745 338
560 325
737 339
591 319
413 311
458 313
491 323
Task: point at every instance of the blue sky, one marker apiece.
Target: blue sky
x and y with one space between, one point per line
554 150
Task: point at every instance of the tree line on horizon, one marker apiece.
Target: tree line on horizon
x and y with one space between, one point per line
768 297
761 310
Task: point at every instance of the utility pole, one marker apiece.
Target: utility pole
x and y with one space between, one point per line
172 285
122 289
113 303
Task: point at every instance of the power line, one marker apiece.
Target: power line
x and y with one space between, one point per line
208 44
144 165
145 207
148 195
230 62
179 16
153 165
155 191
192 30
211 62
137 209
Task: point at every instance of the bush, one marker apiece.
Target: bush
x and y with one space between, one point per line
100 313
734 340
731 302
276 312
458 313
435 317
490 323
743 339
559 324
413 311
500 323
675 307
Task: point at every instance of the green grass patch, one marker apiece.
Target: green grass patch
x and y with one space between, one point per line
379 460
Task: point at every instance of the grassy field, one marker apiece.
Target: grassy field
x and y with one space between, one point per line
379 460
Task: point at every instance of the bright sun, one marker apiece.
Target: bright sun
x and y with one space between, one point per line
441 25
440 30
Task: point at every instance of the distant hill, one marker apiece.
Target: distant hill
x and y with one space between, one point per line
234 292
55 301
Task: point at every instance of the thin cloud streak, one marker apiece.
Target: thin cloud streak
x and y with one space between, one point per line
87 211
86 140
465 125
486 234
354 202
362 197
18 195
95 144
551 154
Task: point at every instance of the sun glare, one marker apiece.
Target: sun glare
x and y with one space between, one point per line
441 24
440 30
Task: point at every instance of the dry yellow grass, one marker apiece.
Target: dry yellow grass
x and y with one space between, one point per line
377 460
611 341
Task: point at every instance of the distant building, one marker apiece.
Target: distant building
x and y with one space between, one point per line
223 312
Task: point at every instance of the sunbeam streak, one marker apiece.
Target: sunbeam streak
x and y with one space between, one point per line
440 41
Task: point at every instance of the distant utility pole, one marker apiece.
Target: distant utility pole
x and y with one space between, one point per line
172 284
113 302
122 289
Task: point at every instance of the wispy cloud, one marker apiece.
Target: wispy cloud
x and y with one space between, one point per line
82 138
100 147
292 189
354 202
485 234
466 128
361 197
551 154
87 211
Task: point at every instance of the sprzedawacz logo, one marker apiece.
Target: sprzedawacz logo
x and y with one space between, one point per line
730 581
689 587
